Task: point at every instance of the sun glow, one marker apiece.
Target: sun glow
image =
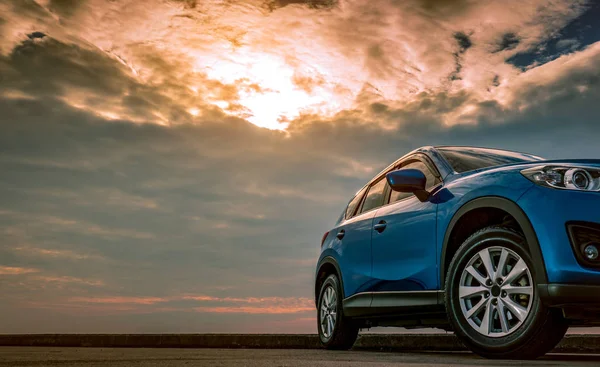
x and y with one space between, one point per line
269 94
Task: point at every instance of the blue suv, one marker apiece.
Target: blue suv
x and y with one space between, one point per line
500 247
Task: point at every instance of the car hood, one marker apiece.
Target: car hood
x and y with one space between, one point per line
523 165
582 162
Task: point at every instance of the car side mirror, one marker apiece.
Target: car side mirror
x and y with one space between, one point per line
408 180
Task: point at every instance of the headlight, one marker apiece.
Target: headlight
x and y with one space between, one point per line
565 177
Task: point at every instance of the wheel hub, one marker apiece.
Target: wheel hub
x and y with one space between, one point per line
496 290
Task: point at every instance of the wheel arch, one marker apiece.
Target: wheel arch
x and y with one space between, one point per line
514 210
327 266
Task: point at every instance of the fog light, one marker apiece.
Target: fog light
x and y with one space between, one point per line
591 252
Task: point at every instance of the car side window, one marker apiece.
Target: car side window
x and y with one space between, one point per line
432 179
351 209
375 195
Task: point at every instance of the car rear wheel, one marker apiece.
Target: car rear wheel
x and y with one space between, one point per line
335 330
492 301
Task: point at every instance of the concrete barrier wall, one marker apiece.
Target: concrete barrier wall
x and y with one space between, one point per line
390 342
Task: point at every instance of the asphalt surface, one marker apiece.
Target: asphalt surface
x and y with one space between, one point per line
66 357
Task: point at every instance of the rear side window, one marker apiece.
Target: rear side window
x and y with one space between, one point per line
375 195
351 209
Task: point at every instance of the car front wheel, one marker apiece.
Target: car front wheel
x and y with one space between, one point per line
492 301
335 330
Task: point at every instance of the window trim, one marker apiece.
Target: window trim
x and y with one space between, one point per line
418 156
427 161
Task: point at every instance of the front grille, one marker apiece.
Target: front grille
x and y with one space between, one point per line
583 234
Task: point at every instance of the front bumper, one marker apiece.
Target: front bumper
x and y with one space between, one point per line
549 211
563 295
579 304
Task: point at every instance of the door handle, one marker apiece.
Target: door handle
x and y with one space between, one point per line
341 234
380 227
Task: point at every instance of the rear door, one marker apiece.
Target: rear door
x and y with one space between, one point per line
403 241
353 238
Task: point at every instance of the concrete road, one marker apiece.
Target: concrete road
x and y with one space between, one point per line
66 357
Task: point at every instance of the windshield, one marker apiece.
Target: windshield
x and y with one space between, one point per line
463 159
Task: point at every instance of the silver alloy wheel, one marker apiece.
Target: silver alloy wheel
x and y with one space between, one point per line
496 291
328 311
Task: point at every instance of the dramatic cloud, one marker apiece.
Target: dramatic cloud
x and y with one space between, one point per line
140 194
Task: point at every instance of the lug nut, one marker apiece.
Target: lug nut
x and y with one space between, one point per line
503 294
494 301
499 281
487 295
488 282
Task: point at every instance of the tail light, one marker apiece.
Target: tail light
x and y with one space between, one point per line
324 237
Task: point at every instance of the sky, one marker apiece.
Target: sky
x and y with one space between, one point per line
171 165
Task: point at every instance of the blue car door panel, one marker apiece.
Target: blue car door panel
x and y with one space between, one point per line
403 245
353 245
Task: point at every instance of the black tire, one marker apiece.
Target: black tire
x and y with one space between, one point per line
345 331
542 327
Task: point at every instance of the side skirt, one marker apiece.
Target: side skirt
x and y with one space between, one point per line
407 309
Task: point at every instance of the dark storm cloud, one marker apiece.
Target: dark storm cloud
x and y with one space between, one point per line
101 82
444 6
508 42
496 81
35 35
65 8
189 4
28 7
314 4
79 68
464 43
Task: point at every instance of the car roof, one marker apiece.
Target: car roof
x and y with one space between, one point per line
458 147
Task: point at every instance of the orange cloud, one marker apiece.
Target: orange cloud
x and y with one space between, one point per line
65 254
119 300
12 270
250 305
68 279
255 305
254 310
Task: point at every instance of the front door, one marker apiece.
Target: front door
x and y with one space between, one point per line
403 241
